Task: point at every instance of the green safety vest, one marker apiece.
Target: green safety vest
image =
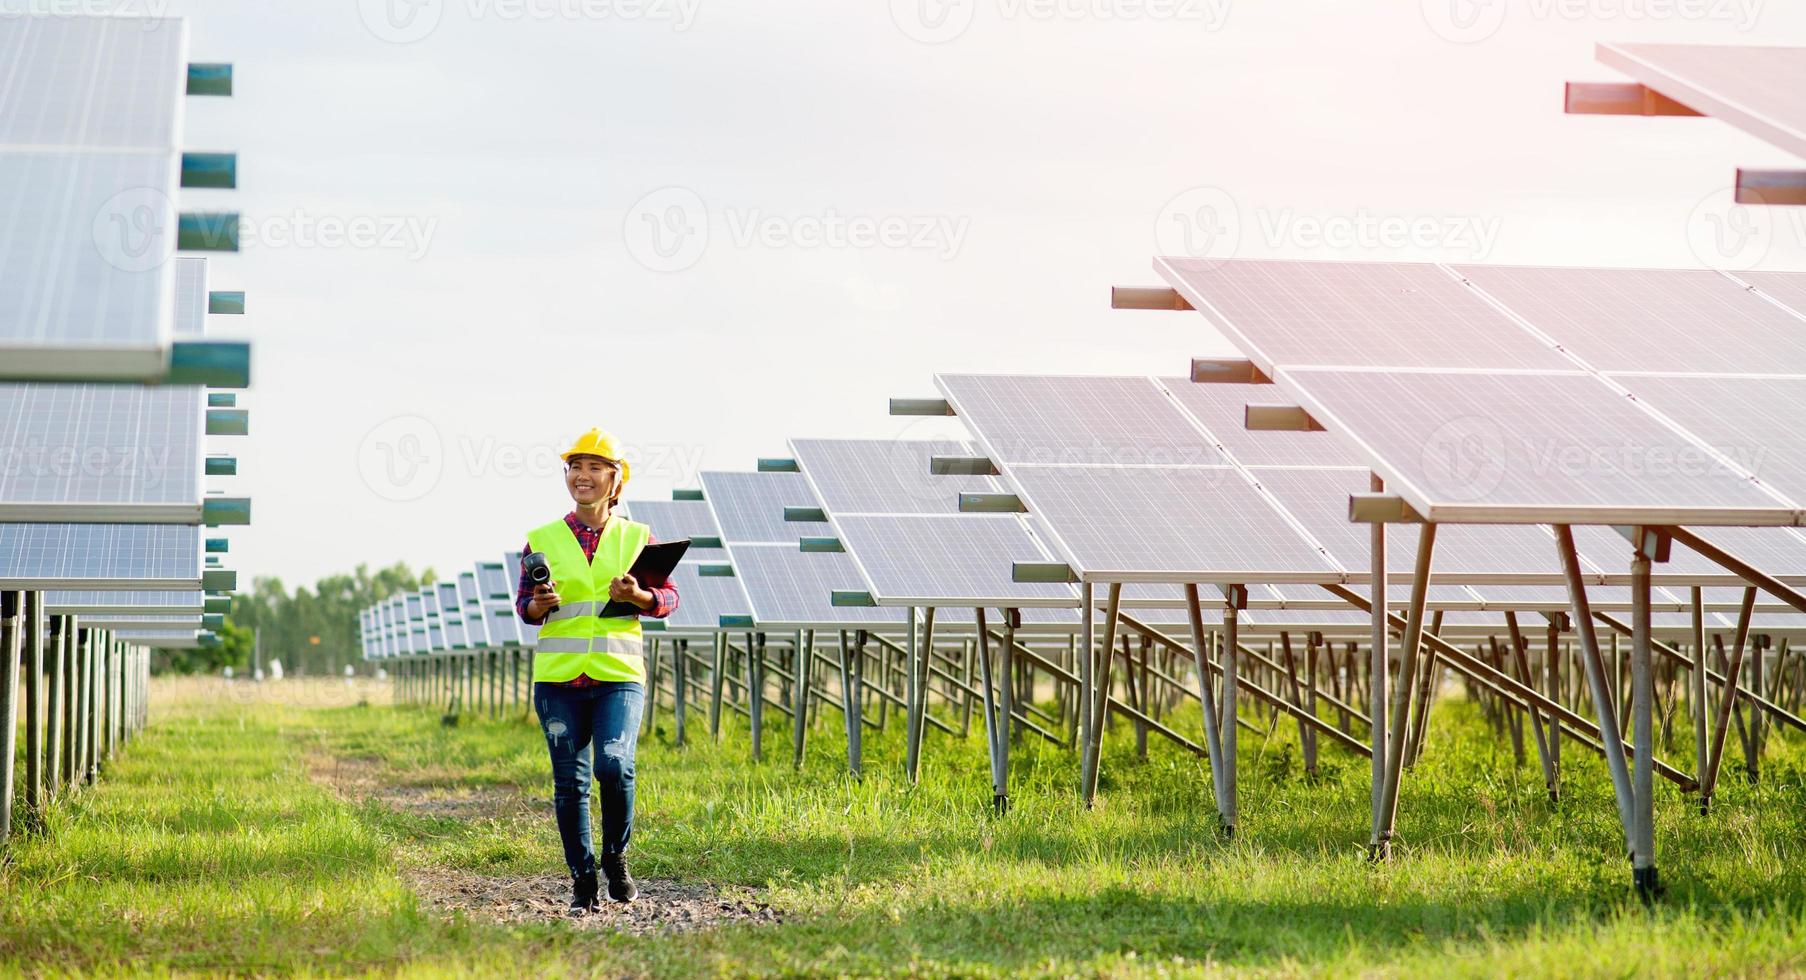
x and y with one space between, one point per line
575 638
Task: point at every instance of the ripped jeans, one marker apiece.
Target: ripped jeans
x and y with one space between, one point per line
572 718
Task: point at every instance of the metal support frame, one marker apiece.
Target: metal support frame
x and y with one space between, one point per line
1378 846
1408 676
1708 780
1609 732
11 626
1213 744
1097 703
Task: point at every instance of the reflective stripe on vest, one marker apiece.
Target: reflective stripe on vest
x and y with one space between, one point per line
575 639
620 646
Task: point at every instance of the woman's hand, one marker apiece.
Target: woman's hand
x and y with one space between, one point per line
627 589
545 599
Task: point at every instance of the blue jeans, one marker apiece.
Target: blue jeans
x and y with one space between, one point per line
572 718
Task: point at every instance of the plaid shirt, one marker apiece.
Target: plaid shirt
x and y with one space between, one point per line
664 594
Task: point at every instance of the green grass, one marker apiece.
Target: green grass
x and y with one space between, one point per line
207 847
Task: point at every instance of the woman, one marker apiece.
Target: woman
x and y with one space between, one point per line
589 671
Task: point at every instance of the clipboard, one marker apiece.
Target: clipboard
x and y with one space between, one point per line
655 561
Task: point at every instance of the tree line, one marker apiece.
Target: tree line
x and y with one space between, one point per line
312 631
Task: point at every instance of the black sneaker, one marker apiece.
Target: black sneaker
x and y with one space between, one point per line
620 884
583 893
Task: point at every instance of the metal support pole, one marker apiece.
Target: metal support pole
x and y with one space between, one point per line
34 705
1408 677
1087 644
996 728
1213 744
1543 738
912 732
1708 779
1597 681
1696 682
799 690
1378 847
1642 697
1104 654
680 695
11 626
716 679
851 707
1231 683
755 703
1012 618
53 709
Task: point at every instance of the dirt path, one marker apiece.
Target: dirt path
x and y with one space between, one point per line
664 905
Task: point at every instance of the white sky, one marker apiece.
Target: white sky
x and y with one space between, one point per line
406 400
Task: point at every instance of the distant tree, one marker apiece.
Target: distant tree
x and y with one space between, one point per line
312 631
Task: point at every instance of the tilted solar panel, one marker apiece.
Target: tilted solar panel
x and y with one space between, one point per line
750 506
1077 421
158 557
100 452
1357 314
1496 448
1691 320
1756 89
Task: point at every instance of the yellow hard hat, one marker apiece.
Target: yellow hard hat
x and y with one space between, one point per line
595 442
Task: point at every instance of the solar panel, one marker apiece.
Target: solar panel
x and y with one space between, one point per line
175 639
100 452
1650 319
112 82
114 621
1221 410
1169 524
190 319
84 245
1077 421
1754 421
493 581
930 559
1563 448
67 602
100 556
670 520
783 585
401 640
1319 500
470 601
89 113
704 599
1756 89
528 634
1365 314
417 637
750 506
787 587
885 476
1788 288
